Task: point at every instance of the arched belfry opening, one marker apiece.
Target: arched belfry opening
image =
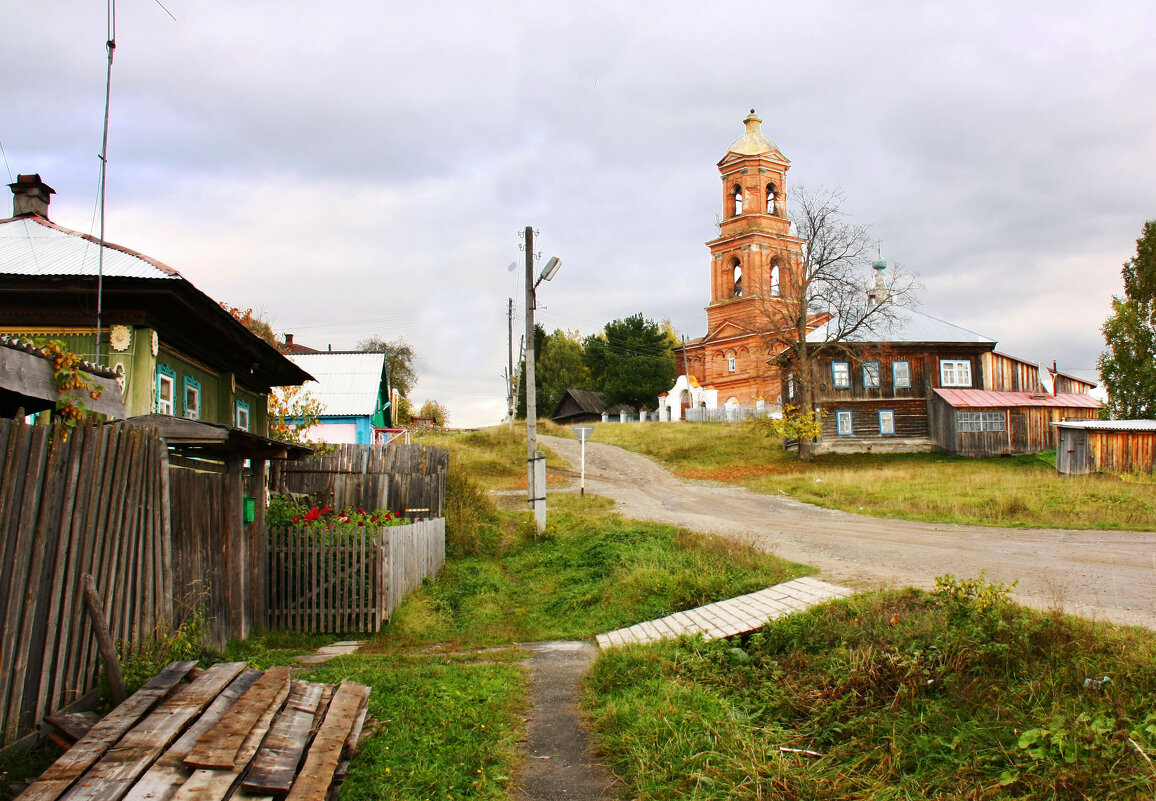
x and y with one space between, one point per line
772 193
776 274
736 278
736 200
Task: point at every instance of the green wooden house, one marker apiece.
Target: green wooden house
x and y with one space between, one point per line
177 351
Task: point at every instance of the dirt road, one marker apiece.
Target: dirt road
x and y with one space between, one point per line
1103 575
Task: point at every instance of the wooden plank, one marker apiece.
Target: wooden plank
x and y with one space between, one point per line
325 753
168 773
113 776
214 785
101 737
275 766
218 748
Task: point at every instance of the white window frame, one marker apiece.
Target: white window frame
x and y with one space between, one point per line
872 370
836 369
971 421
731 363
955 372
844 423
193 387
886 422
241 409
901 381
166 377
790 386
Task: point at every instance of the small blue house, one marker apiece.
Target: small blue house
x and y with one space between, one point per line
353 390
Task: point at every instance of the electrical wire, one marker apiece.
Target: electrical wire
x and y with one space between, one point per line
5 155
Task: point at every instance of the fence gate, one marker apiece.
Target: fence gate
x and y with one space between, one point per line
347 579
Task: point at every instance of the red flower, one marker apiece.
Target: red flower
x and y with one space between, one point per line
296 519
313 514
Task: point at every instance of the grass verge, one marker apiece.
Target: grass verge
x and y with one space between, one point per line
956 694
1018 491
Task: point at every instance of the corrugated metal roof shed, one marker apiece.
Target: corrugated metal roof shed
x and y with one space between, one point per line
35 246
908 325
1110 425
347 383
982 398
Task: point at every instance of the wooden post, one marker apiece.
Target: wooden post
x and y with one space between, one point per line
234 536
104 642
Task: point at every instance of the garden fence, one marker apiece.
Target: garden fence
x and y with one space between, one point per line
348 579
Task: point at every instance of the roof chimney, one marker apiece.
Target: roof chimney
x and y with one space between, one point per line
289 339
30 195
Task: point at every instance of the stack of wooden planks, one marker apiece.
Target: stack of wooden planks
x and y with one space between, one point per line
229 732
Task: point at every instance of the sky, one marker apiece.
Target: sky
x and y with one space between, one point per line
360 169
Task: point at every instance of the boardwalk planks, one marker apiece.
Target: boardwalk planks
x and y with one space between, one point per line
218 748
275 766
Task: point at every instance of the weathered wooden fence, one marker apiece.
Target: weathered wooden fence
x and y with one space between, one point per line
407 479
93 503
348 579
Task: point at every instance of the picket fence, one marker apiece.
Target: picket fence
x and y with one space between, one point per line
348 579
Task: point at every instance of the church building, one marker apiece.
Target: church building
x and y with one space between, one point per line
753 264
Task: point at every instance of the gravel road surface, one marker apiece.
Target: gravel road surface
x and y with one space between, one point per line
1103 575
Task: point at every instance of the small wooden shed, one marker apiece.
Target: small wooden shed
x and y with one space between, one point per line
1114 446
976 422
578 406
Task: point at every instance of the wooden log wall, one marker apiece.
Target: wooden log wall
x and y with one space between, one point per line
409 480
92 503
348 579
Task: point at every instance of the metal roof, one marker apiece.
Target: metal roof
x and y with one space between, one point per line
908 325
347 383
1110 425
34 246
985 399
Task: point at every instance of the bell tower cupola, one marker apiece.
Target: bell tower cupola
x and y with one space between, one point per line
753 257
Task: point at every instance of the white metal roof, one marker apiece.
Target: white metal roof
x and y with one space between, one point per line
1110 425
35 246
347 383
908 325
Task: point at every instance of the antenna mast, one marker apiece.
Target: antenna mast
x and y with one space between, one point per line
110 45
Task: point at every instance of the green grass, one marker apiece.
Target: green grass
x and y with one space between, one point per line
495 457
957 694
1020 491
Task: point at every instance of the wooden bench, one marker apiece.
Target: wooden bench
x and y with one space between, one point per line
229 732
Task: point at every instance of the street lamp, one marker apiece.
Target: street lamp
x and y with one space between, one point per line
535 459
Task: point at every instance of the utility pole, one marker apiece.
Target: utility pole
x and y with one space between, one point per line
510 373
535 495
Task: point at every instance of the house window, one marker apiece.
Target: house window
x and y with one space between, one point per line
731 363
887 422
737 197
955 372
843 423
192 398
901 375
841 375
980 421
166 389
241 415
871 375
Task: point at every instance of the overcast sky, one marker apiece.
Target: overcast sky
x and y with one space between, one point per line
359 169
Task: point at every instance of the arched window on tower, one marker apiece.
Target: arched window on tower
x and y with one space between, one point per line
771 192
737 274
737 197
775 287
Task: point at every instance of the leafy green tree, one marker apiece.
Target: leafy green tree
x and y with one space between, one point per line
540 338
631 361
1128 367
399 361
434 411
561 367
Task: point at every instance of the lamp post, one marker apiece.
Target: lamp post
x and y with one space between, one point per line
535 459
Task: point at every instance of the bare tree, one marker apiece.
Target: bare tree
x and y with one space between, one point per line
829 298
399 361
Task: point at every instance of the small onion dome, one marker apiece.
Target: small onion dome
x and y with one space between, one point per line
880 263
754 141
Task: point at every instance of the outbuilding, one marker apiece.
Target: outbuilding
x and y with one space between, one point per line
1112 446
977 422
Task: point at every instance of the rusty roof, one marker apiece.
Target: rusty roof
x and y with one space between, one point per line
985 399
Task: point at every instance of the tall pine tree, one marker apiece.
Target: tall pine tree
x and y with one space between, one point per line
1128 367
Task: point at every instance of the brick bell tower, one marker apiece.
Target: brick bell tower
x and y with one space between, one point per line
753 261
